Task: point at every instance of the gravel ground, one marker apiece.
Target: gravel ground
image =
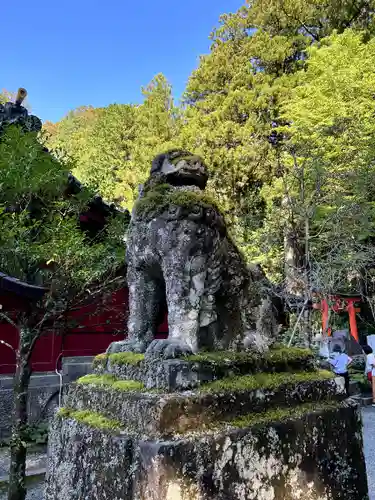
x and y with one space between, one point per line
35 490
368 415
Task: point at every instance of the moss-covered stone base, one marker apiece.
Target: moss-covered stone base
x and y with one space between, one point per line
309 455
158 415
216 426
193 371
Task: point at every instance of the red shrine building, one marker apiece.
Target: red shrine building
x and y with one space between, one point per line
90 328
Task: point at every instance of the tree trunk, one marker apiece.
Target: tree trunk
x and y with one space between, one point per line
17 472
307 314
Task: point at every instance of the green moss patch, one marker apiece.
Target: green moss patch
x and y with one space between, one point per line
281 414
287 354
111 382
128 386
264 381
160 197
102 380
277 359
126 358
100 360
275 354
90 418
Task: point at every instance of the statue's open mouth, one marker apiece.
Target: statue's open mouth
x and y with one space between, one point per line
181 178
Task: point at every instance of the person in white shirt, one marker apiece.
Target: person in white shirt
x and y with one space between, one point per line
340 362
370 369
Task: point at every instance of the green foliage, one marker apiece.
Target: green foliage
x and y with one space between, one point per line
41 240
25 169
234 109
328 159
264 381
33 435
37 434
270 118
112 147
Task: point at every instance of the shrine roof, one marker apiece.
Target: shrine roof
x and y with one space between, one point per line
15 286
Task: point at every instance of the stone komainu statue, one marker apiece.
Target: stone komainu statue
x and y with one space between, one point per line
179 253
16 114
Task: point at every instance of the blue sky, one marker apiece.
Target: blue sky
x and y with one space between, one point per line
69 53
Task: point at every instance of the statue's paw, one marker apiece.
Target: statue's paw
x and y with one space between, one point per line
127 346
253 341
167 349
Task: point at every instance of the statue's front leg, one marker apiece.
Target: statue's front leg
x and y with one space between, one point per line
185 285
145 298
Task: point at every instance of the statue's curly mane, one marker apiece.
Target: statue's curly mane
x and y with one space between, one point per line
173 155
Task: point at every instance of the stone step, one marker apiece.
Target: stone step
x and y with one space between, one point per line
366 400
153 414
191 372
75 367
35 464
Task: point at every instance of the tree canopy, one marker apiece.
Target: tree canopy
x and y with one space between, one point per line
261 105
111 148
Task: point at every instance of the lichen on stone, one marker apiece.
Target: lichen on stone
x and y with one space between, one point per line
281 414
126 358
264 381
90 418
111 382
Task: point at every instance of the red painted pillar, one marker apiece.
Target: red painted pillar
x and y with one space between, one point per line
352 321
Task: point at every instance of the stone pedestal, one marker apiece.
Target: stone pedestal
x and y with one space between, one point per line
208 427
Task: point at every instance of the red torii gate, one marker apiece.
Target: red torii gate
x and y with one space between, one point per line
339 303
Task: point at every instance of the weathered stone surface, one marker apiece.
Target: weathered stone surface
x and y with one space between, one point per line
279 461
316 456
88 463
167 415
179 253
